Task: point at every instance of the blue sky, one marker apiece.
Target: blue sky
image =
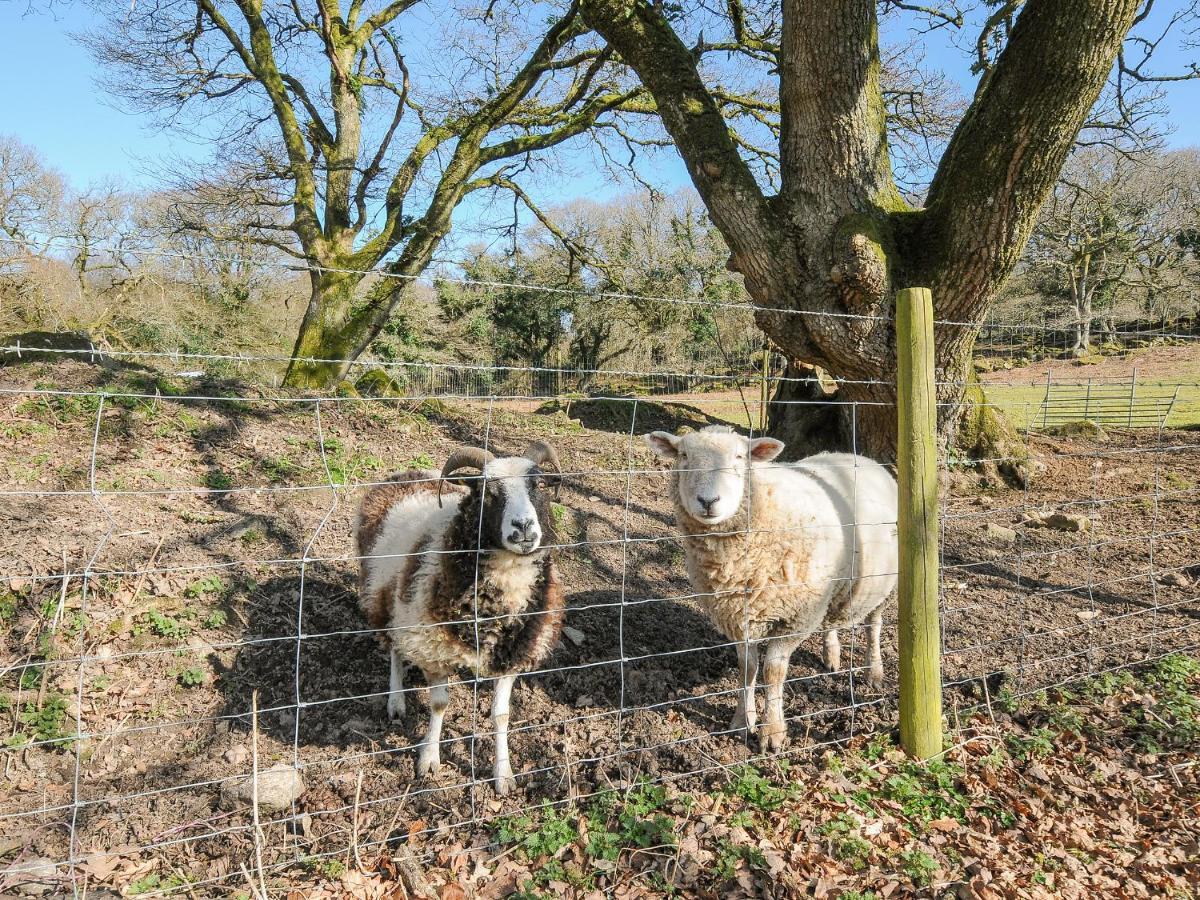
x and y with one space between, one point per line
60 110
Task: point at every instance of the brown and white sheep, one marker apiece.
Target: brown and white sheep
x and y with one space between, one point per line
463 579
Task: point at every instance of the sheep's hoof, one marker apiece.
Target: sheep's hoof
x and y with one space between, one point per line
875 677
395 707
429 760
505 783
740 723
773 737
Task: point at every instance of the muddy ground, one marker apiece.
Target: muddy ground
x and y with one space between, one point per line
210 537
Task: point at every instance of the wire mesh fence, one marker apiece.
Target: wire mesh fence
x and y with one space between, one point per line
198 701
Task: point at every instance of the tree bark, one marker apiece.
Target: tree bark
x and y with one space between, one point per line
339 324
327 342
805 415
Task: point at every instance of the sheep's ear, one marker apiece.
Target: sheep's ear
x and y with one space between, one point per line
663 443
765 449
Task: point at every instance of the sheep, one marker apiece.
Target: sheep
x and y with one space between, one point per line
463 579
781 551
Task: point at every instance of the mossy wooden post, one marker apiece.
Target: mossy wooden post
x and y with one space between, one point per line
916 469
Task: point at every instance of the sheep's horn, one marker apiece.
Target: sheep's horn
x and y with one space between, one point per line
542 453
463 458
544 456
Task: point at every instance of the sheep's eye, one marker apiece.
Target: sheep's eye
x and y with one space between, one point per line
740 456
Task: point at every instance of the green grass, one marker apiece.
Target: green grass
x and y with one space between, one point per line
279 469
613 822
155 883
48 722
52 408
348 467
759 791
218 480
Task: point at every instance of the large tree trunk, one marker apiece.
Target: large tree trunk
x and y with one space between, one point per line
338 326
810 417
823 258
1083 323
327 342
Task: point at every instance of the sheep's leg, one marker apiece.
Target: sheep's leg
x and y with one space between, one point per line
431 747
746 716
833 651
501 704
875 655
395 703
774 729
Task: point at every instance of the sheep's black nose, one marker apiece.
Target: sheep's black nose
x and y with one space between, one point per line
524 526
707 502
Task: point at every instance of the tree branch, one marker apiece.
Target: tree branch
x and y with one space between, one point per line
573 125
649 45
259 59
1010 146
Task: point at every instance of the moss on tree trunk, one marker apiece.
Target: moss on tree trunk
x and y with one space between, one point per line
330 338
985 437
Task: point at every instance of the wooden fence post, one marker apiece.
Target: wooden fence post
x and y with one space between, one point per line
916 469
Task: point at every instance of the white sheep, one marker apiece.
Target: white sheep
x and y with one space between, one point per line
780 551
463 580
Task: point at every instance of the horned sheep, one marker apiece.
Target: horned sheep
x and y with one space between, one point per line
457 574
779 551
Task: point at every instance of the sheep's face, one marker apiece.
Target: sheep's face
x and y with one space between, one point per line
516 504
710 469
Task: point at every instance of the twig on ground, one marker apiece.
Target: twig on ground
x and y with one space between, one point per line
258 835
412 878
354 822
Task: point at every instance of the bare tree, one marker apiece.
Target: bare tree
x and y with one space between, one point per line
1109 234
353 135
823 255
612 272
30 199
100 231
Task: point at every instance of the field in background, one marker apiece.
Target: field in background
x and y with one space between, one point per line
1159 372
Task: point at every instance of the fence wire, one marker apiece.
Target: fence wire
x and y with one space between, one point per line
192 690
